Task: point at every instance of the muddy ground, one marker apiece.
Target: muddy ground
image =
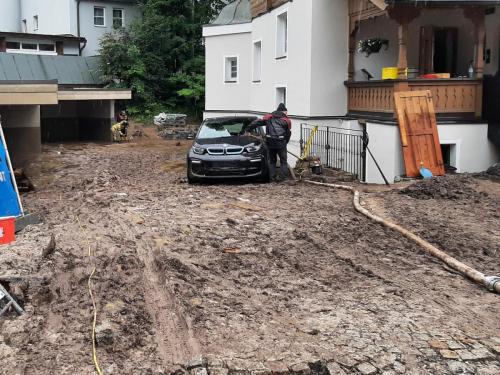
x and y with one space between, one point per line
243 278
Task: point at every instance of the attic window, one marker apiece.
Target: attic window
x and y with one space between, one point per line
35 23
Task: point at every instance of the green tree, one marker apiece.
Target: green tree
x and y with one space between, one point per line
162 56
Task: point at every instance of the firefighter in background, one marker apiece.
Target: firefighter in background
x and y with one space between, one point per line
120 129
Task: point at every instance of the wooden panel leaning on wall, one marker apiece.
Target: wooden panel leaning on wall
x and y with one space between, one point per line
418 130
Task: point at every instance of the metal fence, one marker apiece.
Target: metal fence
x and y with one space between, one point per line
338 148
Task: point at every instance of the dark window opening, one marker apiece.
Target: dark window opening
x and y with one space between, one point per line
47 47
32 46
13 45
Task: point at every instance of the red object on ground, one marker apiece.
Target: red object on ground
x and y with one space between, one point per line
7 230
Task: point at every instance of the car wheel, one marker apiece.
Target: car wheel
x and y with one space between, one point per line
191 178
265 176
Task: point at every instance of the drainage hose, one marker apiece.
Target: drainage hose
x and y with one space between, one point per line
492 283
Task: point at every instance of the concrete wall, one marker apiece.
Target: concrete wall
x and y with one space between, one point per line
95 120
493 42
94 33
386 28
10 20
21 125
60 122
473 151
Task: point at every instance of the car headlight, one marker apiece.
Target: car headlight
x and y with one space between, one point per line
198 150
253 147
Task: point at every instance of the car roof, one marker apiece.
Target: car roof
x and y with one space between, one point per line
230 118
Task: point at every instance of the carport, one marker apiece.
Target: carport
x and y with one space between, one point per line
53 99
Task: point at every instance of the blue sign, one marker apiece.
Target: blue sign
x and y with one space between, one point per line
10 204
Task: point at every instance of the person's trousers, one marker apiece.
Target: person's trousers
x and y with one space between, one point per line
274 153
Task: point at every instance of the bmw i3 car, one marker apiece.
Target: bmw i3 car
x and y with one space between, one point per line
224 149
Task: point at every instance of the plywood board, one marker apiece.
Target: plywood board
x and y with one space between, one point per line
418 130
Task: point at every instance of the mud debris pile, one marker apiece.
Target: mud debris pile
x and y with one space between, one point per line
457 187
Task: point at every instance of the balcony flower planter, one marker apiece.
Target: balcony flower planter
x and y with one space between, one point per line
372 45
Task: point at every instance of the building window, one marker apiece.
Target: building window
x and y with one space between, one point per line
99 16
35 23
45 47
118 18
29 46
24 26
231 69
282 35
280 95
13 45
257 61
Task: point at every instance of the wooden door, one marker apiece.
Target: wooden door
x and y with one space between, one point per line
418 130
426 55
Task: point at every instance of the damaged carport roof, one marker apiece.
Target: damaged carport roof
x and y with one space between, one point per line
67 70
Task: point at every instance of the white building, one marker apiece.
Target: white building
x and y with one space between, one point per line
69 27
303 53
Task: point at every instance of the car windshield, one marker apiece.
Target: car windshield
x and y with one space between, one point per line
223 129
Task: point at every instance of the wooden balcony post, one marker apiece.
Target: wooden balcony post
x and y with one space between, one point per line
477 16
403 15
403 50
3 44
353 29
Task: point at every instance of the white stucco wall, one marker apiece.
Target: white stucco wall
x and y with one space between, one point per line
474 152
329 57
10 20
313 71
493 42
294 71
94 33
221 95
386 28
53 16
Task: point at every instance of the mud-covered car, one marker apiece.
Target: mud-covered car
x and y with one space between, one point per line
224 149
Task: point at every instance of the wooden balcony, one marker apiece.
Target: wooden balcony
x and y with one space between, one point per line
457 99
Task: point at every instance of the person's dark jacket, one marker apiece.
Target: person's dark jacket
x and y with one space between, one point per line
278 128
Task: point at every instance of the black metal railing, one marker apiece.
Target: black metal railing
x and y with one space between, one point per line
338 148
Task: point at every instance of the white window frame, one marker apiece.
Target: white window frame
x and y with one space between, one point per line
103 16
123 16
31 51
225 79
35 22
254 78
276 88
458 145
281 55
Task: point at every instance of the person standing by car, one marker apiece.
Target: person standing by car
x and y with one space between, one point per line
278 133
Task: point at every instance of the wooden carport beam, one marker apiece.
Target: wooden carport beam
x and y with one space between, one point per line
403 15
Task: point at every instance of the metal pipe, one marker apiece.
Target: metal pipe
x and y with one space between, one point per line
492 283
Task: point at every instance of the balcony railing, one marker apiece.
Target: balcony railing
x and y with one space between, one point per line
453 98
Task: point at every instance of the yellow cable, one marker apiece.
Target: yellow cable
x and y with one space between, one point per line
89 283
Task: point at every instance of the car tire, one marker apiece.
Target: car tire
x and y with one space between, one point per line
191 178
265 177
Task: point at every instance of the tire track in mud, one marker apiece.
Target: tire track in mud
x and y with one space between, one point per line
173 334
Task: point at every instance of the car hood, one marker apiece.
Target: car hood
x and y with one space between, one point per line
237 140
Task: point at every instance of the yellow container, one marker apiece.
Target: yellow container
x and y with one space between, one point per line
390 73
